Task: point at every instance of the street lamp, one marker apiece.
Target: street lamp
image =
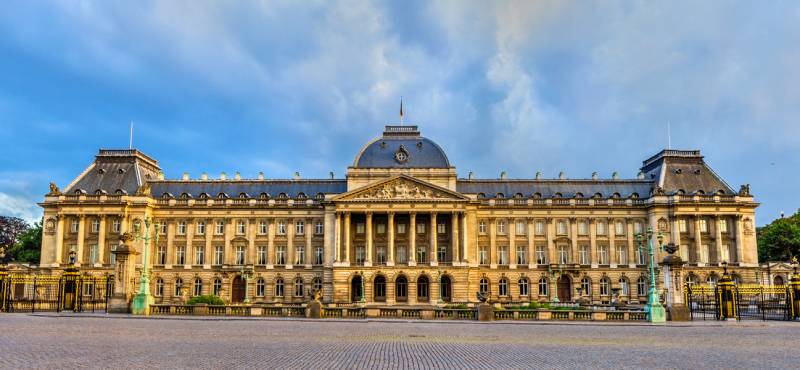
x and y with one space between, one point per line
554 285
143 299
656 311
247 274
363 299
441 288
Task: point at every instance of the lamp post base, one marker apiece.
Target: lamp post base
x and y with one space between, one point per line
657 313
141 304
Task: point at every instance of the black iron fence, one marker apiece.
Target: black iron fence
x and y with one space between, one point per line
742 302
67 292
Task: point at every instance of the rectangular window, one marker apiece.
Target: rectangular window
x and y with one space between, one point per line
380 255
704 253
380 228
319 228
482 227
620 228
240 255
539 228
161 255
502 255
723 226
219 253
641 258
501 227
181 228
622 255
402 254
563 254
420 228
442 253
401 228
561 228
441 228
300 227
726 253
73 227
319 254
602 255
116 225
522 255
520 228
241 228
300 255
484 255
682 226
220 228
541 254
281 228
262 228
583 228
683 250
262 255
199 256
601 228
422 255
180 255
361 255
703 226
360 228
583 254
113 259
637 228
280 255
93 252
95 225
201 228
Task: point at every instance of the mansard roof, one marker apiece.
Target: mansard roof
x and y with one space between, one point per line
684 170
253 188
549 188
115 171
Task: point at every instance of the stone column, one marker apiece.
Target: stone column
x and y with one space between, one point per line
464 238
632 259
592 242
434 245
228 253
492 243
347 237
290 228
390 247
551 248
698 239
412 242
81 236
101 241
190 254
309 235
454 234
718 240
573 231
251 239
330 236
368 260
512 245
611 230
60 239
739 239
270 243
338 234
531 246
209 234
171 252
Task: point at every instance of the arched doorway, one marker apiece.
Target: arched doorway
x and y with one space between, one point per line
379 289
564 289
355 289
446 289
237 290
401 289
778 280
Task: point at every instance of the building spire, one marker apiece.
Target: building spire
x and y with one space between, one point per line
401 111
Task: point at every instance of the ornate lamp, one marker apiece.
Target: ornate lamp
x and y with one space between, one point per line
143 299
654 307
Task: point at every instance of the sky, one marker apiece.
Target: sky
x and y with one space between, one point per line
285 86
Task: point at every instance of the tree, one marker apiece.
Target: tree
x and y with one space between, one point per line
29 247
779 240
11 228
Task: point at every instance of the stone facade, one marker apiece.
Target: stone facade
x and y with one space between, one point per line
403 226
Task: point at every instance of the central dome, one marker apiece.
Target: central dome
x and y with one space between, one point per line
401 147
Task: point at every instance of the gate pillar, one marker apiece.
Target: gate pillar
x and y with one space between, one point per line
3 280
726 295
673 281
794 294
124 270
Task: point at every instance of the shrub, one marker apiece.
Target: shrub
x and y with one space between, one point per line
207 299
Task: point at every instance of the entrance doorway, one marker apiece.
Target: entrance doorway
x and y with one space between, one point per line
446 289
564 289
355 289
237 290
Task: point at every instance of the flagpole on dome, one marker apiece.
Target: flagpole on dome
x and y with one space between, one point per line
401 111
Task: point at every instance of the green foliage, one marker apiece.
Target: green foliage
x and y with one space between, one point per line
779 240
460 306
29 247
207 299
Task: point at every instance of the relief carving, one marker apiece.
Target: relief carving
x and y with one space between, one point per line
401 189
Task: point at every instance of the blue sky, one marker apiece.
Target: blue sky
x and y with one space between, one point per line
502 86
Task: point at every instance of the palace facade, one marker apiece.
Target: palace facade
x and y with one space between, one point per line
401 228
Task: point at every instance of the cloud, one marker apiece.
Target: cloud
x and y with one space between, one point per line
23 208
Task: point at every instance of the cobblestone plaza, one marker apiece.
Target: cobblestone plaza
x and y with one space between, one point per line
49 341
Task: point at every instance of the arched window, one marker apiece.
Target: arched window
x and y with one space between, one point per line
263 196
558 195
298 287
605 286
222 196
279 287
598 195
317 284
260 287
624 288
499 196
198 287
401 289
518 195
243 195
523 287
379 289
537 195
711 280
301 196
422 289
503 287
203 196
481 195
185 196
635 195
159 288
320 196
579 195
641 286
217 286
691 279
483 287
586 286
543 287
615 196
178 286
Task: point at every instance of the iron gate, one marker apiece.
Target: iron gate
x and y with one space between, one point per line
703 302
747 302
68 292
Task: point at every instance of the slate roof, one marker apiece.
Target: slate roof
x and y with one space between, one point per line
548 188
253 188
685 170
422 152
114 171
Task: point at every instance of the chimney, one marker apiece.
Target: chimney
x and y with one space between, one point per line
261 175
615 176
185 176
562 175
223 176
503 175
595 176
297 175
237 176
